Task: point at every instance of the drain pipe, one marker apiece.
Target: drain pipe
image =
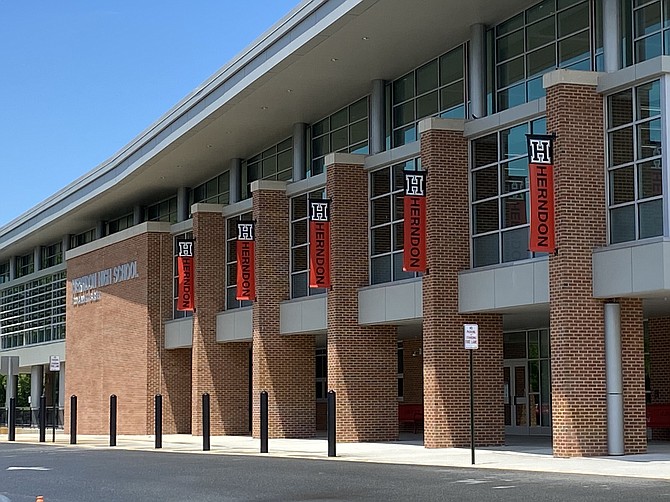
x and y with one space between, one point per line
614 377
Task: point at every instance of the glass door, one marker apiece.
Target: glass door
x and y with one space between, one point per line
516 397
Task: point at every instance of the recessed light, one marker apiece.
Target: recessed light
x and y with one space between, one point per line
289 90
264 107
365 38
333 59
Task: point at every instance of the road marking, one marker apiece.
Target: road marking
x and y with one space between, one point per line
471 481
502 487
28 469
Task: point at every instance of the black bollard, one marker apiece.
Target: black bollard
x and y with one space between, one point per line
73 419
43 419
264 421
158 420
332 435
205 422
11 419
112 420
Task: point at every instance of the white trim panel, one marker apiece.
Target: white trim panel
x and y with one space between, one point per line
179 333
234 325
392 303
304 315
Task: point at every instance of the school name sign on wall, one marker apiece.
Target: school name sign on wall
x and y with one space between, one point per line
85 289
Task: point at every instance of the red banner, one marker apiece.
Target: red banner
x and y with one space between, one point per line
541 178
319 243
414 255
185 275
246 277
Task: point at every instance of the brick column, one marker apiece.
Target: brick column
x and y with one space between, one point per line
659 352
632 362
362 360
283 365
579 404
444 154
220 369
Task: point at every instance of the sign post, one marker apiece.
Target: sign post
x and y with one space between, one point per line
471 340
54 367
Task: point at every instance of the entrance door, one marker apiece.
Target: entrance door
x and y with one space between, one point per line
516 397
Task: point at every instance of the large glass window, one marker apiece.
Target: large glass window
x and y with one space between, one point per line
635 166
386 222
650 26
25 264
178 314
121 223
499 191
165 210
231 262
214 191
274 163
300 245
52 255
435 89
4 272
33 312
82 238
344 131
551 34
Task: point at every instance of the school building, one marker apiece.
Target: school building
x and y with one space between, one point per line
337 100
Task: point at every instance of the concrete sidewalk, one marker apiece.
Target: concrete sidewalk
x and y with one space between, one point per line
523 454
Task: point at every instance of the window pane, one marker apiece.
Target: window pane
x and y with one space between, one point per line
320 127
485 183
403 88
404 135
648 19
649 99
398 273
622 224
381 211
339 119
403 114
381 182
510 25
515 245
539 34
485 216
574 19
299 285
485 250
622 187
426 105
621 146
358 132
299 259
515 175
321 146
510 46
540 10
650 179
269 167
451 96
381 240
648 48
339 139
513 142
541 61
649 139
358 110
514 209
451 66
535 89
511 72
485 150
512 97
651 219
620 108
380 270
426 77
299 232
573 49
398 236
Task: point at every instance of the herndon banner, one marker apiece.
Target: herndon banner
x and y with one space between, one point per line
541 176
319 243
414 259
246 278
186 275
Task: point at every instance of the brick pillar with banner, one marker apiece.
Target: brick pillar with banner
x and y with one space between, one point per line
219 369
444 154
283 365
362 360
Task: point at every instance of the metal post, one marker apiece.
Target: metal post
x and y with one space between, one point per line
73 419
205 422
472 408
11 419
614 380
112 420
158 420
332 424
53 402
43 418
264 421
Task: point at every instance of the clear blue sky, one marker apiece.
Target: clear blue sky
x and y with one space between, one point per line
79 79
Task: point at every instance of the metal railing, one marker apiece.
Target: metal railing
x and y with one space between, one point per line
27 417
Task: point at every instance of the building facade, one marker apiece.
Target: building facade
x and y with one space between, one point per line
337 100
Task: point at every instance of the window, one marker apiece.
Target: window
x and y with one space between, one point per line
435 89
82 238
52 255
118 224
650 25
275 163
300 245
635 166
231 262
4 272
321 374
25 264
499 195
214 191
344 131
33 312
165 210
178 314
551 34
386 222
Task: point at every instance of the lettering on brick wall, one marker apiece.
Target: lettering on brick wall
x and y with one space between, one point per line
85 289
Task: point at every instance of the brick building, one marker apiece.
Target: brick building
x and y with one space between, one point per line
336 100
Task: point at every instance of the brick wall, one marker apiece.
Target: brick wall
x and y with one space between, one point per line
444 154
362 360
413 371
222 370
575 114
114 345
282 365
